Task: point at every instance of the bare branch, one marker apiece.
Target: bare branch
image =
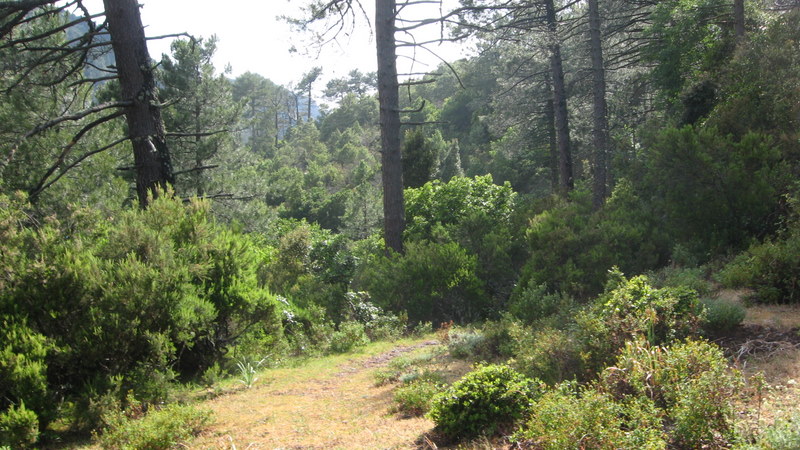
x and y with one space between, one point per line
67 149
203 134
76 116
431 122
166 36
195 169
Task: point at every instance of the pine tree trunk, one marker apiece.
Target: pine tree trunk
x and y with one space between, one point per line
389 100
309 102
145 126
738 18
550 117
560 103
600 108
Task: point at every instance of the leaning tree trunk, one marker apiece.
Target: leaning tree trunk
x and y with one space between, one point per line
145 127
389 100
560 103
600 108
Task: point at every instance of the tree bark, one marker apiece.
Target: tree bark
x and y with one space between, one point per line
738 18
552 142
308 118
560 103
389 100
145 126
600 108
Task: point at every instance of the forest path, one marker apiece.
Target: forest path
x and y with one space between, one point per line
327 403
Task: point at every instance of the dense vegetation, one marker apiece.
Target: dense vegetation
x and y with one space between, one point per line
269 243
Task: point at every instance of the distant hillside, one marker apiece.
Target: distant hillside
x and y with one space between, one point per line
101 58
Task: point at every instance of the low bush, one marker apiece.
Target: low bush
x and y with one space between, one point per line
349 336
23 378
414 397
633 307
535 303
487 400
19 427
549 354
464 343
422 329
166 428
689 382
573 247
432 282
499 338
378 324
583 418
771 269
688 277
722 316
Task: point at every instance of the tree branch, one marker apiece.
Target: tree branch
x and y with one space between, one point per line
76 116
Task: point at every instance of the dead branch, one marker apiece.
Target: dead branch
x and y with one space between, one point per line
77 116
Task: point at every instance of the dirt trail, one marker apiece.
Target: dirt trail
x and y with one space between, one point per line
315 406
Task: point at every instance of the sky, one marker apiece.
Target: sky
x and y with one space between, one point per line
251 38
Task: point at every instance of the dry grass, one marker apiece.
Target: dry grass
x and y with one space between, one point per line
328 403
773 390
772 372
782 317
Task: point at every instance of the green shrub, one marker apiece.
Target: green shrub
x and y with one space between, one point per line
477 214
688 277
147 295
464 343
431 282
422 329
378 324
350 335
414 397
712 191
722 316
212 375
452 203
690 382
383 377
487 400
535 303
165 428
498 338
19 427
549 354
634 308
573 247
563 419
426 375
101 397
771 268
23 377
